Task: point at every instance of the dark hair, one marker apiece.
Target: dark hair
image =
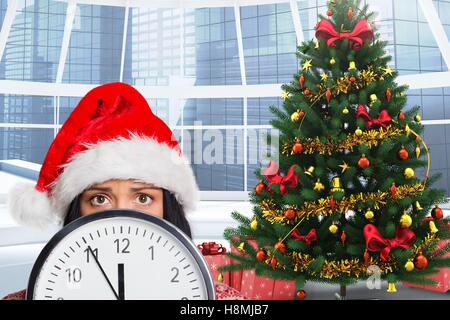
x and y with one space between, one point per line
172 212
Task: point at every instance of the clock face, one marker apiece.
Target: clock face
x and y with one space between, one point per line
120 254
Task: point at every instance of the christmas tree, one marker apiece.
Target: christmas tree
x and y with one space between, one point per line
345 194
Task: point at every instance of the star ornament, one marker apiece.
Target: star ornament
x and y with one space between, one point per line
285 95
307 65
344 167
388 71
324 77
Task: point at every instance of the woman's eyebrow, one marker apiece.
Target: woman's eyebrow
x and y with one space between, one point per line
143 188
99 189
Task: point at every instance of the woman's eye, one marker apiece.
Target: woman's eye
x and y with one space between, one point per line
99 200
144 199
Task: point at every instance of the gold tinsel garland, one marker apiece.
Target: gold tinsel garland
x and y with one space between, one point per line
334 268
323 207
371 138
331 269
344 84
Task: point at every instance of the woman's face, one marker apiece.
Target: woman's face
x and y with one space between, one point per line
122 194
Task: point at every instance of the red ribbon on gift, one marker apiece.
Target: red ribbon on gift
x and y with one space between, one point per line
404 238
310 237
272 173
362 32
383 119
211 248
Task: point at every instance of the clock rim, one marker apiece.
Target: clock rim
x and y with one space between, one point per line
123 213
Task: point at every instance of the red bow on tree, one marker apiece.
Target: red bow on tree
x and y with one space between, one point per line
383 119
362 32
310 237
211 248
404 238
272 173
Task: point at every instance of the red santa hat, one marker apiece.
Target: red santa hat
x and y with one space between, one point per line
111 134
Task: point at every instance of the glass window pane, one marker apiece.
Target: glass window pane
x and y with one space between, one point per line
430 59
407 57
406 32
26 109
25 144
405 9
34 43
100 31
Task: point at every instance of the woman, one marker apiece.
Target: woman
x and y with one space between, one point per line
111 153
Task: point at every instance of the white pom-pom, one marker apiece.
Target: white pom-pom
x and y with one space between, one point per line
30 207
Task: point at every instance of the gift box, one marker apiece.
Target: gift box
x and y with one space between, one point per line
255 287
442 278
215 256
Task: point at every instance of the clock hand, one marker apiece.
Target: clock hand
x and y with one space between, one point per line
121 285
103 272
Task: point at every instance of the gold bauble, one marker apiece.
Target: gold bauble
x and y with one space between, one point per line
345 111
332 61
409 173
417 118
295 116
373 97
417 152
369 214
359 132
333 228
405 220
409 266
254 224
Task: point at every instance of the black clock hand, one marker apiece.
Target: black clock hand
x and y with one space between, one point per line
121 279
103 272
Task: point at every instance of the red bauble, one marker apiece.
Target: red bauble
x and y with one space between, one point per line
401 116
363 162
273 263
290 214
302 81
280 246
329 12
352 79
388 94
259 188
332 203
366 257
261 255
350 14
343 237
437 213
421 262
307 92
393 191
301 113
301 294
328 95
297 148
403 154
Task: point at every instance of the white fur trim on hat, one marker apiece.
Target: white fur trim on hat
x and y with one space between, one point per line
31 207
139 158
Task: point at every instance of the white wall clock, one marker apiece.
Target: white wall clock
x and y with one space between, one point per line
120 254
